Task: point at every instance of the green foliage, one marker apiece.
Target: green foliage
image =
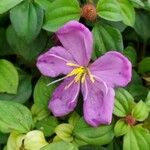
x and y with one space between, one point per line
42 92
47 125
101 135
143 66
108 37
24 90
27 29
60 146
31 18
136 138
109 10
14 117
124 103
29 51
8 77
5 5
127 11
60 12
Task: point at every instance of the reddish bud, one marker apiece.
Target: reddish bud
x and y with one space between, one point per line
130 120
88 12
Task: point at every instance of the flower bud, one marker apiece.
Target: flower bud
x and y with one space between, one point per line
88 11
130 120
34 140
15 141
64 132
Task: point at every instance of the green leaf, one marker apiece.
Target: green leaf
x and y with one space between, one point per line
14 117
137 138
127 11
142 24
130 53
121 128
28 51
143 66
147 101
140 112
137 3
74 118
101 135
60 12
138 91
8 77
42 92
5 5
3 138
109 10
5 49
60 146
106 38
47 125
45 4
39 112
31 17
124 103
93 147
24 90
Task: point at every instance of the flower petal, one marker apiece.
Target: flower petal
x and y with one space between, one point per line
113 68
64 98
98 106
53 62
76 38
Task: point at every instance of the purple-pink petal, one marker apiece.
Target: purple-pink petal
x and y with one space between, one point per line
113 68
53 62
64 98
77 39
98 106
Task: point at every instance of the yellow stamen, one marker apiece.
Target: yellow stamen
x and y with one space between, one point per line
80 73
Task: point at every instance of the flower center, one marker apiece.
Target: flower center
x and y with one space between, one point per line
80 73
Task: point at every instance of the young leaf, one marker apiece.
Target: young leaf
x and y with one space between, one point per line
64 132
60 12
42 92
106 38
8 77
31 17
121 128
127 11
123 103
74 118
14 117
137 138
100 135
5 5
140 111
60 146
109 10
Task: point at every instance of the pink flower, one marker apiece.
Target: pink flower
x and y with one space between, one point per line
95 80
